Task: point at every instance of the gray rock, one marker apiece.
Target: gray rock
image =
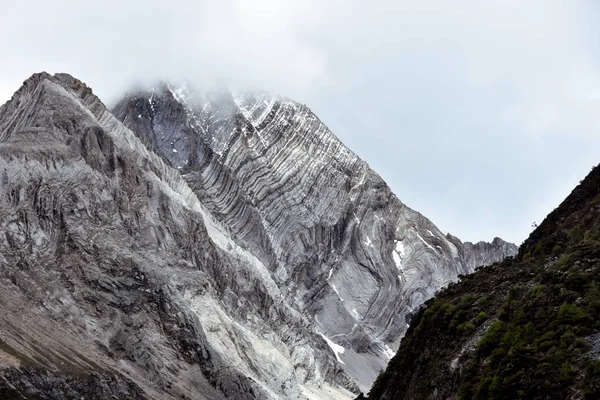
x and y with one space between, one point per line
232 247
113 273
340 247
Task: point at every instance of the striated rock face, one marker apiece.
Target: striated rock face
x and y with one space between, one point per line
483 253
344 252
116 281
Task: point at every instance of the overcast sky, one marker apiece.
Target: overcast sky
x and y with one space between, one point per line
482 115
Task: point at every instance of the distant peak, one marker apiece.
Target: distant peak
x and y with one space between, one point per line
36 78
31 83
64 79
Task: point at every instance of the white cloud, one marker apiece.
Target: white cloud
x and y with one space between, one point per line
479 114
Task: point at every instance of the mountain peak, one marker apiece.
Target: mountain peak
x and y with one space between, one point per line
131 280
311 209
64 79
202 245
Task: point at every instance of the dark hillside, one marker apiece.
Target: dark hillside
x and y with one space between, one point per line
525 328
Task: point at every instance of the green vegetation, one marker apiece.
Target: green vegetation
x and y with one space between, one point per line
532 350
480 319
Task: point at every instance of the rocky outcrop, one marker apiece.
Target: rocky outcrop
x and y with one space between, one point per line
116 280
341 248
31 383
483 253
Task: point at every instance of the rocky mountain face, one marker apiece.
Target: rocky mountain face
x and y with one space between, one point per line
527 328
339 248
200 247
116 282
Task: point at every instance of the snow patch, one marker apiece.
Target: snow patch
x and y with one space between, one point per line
151 100
400 248
397 259
336 291
389 353
179 93
337 349
426 244
398 254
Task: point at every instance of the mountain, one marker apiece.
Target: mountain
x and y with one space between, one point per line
341 248
526 328
231 247
114 280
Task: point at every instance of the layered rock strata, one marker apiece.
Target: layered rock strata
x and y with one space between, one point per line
117 282
343 250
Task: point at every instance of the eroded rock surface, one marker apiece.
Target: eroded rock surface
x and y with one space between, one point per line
341 248
116 280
